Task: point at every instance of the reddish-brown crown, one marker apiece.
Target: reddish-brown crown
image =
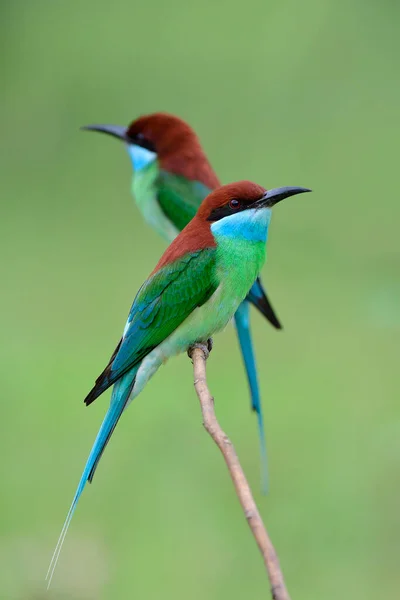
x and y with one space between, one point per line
197 234
245 191
178 147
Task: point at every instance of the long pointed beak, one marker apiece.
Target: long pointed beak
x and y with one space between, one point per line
274 196
115 130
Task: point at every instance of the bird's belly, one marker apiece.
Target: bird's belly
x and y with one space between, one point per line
202 323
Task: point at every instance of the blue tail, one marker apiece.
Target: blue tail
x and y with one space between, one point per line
242 323
119 399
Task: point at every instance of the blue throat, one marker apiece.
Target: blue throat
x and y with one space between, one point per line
140 157
251 224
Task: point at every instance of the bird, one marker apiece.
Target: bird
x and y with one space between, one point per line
171 177
191 294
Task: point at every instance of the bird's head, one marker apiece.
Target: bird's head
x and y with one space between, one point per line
237 210
166 138
243 209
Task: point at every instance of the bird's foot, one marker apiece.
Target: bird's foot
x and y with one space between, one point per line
206 347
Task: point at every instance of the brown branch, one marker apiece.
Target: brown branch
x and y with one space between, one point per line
199 354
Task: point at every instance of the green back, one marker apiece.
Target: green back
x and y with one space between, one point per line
179 198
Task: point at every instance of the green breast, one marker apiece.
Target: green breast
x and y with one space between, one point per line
238 264
145 188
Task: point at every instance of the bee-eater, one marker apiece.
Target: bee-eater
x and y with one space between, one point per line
171 177
194 290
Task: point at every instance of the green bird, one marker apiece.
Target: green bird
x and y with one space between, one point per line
171 177
193 292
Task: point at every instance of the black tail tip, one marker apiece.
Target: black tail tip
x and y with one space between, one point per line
91 397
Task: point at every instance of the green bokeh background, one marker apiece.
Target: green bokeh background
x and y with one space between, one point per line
284 93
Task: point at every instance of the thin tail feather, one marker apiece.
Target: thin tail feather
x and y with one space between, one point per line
263 452
119 399
242 323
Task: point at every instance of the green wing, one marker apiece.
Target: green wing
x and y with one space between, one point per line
163 302
179 197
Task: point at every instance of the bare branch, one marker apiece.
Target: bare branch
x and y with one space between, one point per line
199 354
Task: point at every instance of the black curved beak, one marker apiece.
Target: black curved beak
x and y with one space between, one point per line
116 131
274 196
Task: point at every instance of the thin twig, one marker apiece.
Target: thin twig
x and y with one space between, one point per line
199 354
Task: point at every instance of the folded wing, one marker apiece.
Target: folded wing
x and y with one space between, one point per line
163 302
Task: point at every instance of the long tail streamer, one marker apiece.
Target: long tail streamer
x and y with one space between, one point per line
119 399
242 323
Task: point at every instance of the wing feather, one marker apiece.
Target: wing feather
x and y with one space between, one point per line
163 302
179 197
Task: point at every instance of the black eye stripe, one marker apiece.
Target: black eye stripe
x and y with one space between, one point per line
230 208
140 140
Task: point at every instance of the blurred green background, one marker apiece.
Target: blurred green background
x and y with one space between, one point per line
284 94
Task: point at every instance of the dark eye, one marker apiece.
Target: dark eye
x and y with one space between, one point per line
142 141
234 204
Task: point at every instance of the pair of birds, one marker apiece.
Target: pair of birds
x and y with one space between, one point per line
208 274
